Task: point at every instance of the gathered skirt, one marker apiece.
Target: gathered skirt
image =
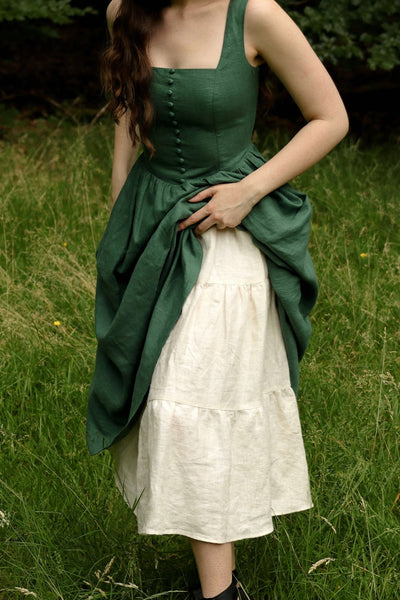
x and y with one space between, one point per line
218 449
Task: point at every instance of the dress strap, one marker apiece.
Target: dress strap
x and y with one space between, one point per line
233 49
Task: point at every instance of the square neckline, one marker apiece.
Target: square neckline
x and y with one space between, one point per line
224 44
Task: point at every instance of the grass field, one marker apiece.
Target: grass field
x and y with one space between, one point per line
64 530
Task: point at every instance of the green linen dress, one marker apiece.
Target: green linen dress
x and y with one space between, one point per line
202 132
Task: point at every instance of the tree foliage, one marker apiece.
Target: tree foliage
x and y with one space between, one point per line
348 33
351 32
57 11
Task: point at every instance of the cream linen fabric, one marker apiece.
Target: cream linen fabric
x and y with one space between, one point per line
218 449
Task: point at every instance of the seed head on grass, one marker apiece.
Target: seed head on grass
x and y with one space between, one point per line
322 561
4 519
25 592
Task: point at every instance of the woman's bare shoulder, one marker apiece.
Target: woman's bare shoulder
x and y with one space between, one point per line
112 11
263 10
272 30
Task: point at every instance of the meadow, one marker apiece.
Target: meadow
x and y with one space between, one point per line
65 532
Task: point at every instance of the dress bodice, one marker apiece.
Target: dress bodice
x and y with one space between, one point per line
204 118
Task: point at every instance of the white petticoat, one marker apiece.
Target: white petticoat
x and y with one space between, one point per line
218 449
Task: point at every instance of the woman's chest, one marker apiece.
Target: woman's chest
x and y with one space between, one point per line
207 99
193 39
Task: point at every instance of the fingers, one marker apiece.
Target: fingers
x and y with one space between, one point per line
209 193
205 225
219 210
200 214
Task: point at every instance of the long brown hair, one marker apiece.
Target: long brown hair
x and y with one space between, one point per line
126 68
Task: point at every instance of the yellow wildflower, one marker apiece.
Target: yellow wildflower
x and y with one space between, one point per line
57 323
65 244
363 255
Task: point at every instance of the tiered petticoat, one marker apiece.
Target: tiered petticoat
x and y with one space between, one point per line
218 449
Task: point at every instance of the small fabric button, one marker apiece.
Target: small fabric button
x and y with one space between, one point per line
174 123
179 150
177 131
182 180
170 81
170 92
182 170
181 160
171 113
170 104
172 71
178 140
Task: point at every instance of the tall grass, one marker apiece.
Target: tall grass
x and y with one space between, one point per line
64 530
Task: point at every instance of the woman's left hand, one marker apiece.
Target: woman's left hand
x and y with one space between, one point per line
227 207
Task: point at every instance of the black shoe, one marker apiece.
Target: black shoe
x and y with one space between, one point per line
231 593
236 590
195 593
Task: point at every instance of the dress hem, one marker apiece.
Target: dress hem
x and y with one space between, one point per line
204 538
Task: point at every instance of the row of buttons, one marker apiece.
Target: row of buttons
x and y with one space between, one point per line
171 112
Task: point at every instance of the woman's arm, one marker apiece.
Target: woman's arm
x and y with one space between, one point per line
282 45
125 154
276 39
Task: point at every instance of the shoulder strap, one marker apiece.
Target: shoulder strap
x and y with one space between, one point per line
233 49
238 9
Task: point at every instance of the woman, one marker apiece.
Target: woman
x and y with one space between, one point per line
204 279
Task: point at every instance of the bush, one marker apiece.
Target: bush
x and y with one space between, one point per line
57 11
351 33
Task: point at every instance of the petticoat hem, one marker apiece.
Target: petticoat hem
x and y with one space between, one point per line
203 538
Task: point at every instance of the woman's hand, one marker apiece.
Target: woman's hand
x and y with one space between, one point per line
228 205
